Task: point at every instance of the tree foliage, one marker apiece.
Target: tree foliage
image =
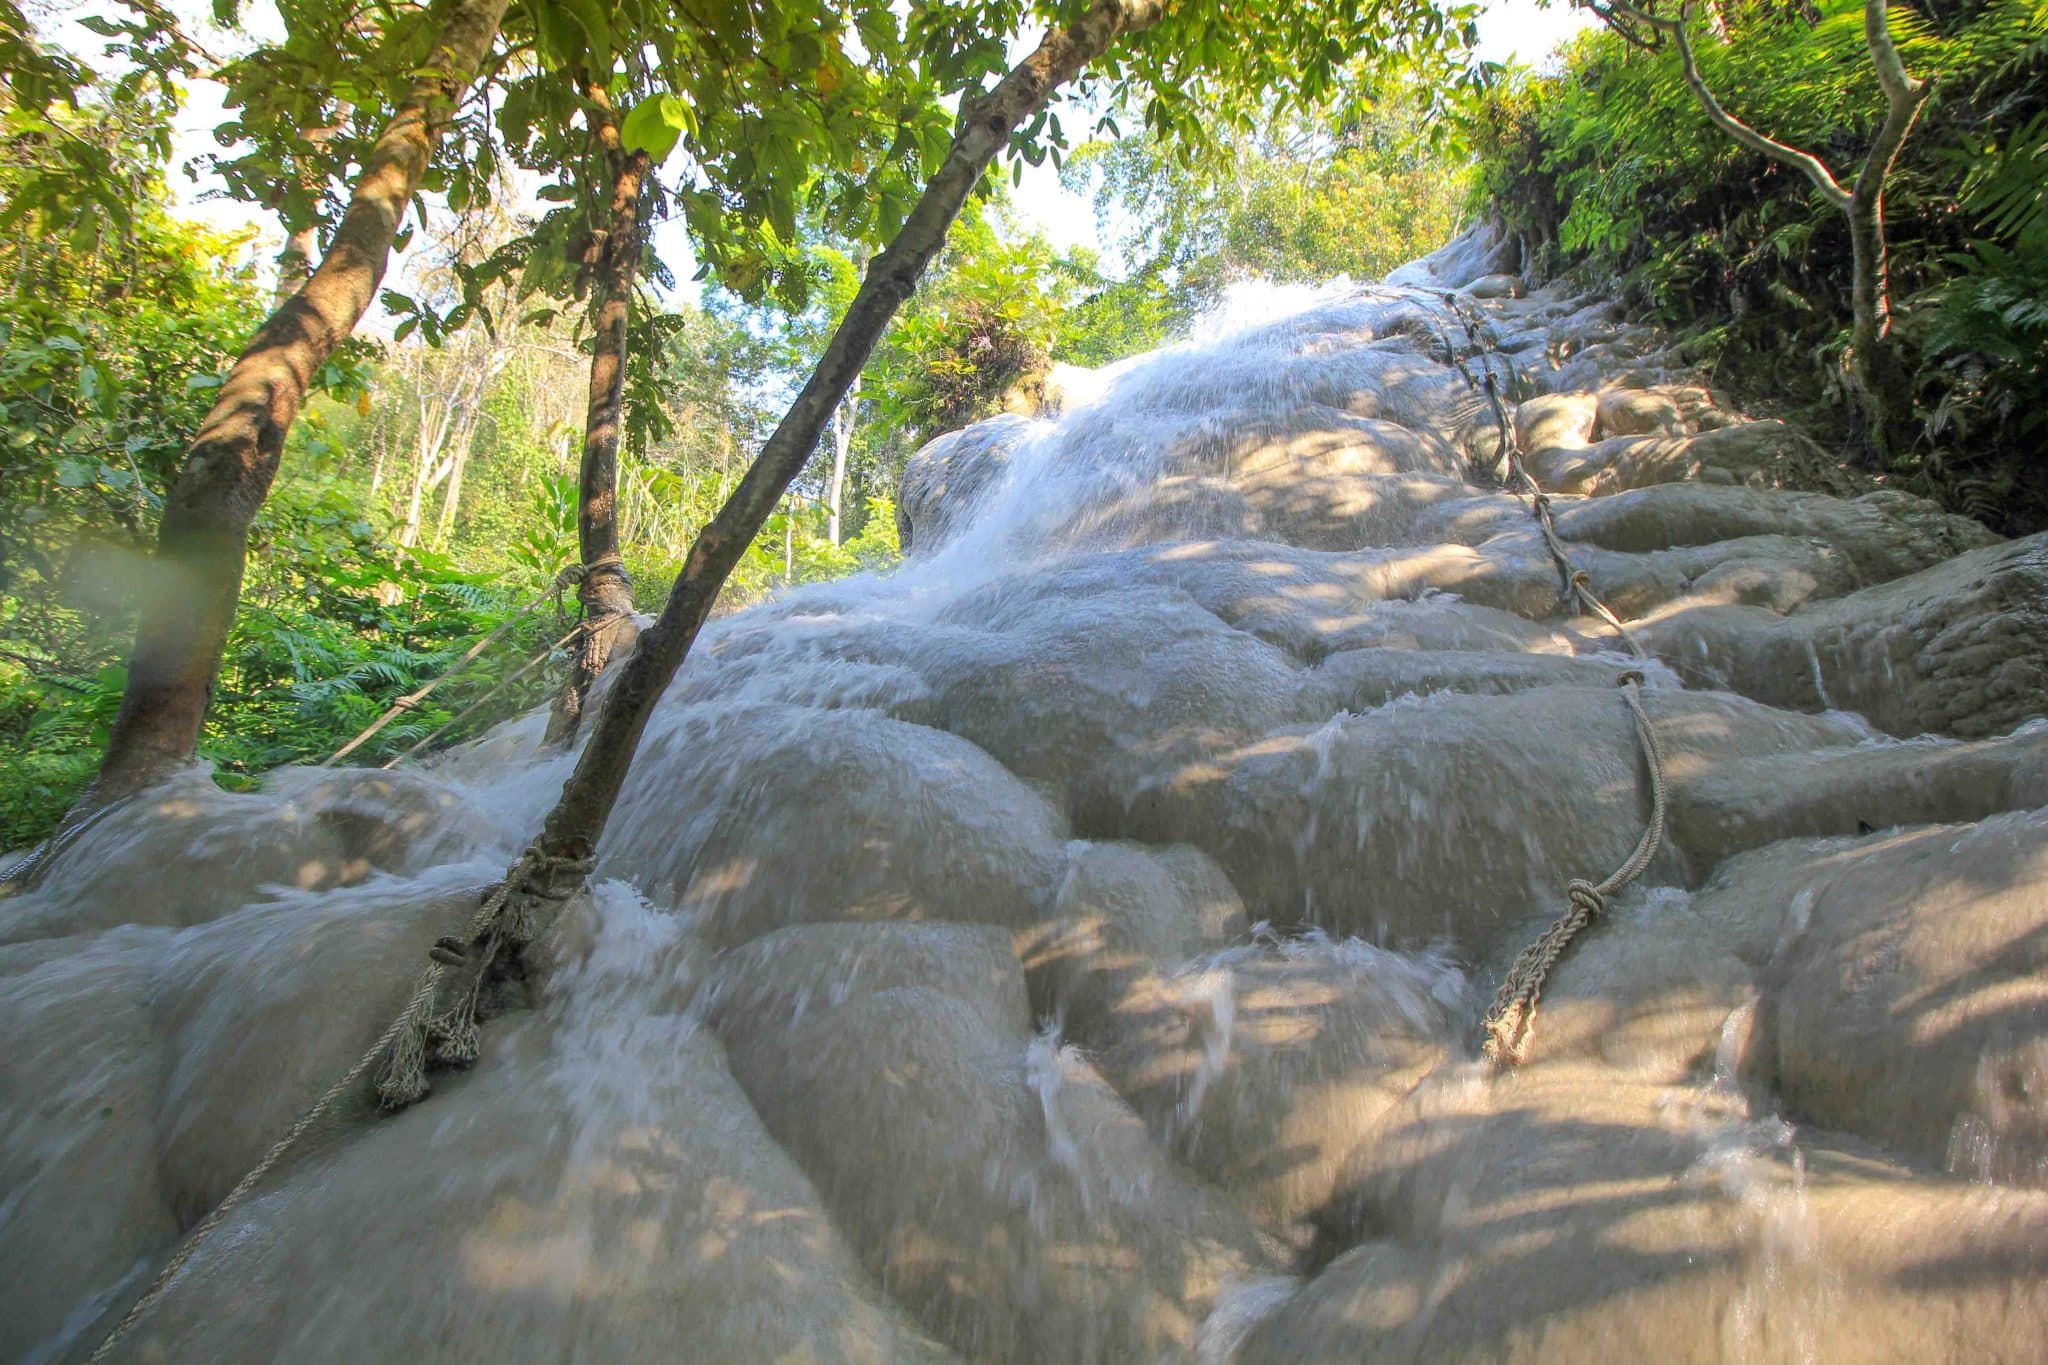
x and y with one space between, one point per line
1350 188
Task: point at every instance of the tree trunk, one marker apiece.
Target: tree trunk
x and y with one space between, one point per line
1876 371
427 443
481 373
1874 374
189 601
451 499
574 826
842 442
383 435
606 591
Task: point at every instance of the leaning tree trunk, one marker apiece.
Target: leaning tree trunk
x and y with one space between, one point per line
189 600
559 860
570 834
606 591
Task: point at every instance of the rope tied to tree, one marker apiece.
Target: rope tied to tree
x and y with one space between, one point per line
426 1035
573 575
450 1037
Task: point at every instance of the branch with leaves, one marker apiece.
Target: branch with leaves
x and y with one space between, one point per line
1874 373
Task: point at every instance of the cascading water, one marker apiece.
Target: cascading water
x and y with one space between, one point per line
1069 947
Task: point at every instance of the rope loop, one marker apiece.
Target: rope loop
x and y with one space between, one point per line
1513 1015
1585 897
574 574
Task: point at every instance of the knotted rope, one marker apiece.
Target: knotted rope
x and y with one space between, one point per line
421 1037
1513 1016
573 574
576 575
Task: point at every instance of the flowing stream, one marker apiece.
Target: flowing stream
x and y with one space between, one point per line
1070 947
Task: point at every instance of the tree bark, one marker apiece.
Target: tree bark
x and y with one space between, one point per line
573 827
435 411
606 591
451 496
1877 371
842 443
190 601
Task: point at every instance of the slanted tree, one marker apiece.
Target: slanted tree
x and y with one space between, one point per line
202 541
1190 58
1877 379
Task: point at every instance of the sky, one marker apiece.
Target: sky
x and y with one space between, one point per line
1526 31
1520 30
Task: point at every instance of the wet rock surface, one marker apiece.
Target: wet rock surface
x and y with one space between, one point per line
1071 948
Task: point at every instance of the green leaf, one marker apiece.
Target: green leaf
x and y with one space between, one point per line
654 126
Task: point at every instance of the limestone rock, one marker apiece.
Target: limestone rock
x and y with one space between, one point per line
999 1188
1556 420
1639 412
1910 1002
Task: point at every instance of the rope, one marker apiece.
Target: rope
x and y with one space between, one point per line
610 559
567 577
1577 584
466 712
1512 1018
415 1041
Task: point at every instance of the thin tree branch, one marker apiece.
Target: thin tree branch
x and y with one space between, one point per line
1904 98
1805 162
1900 87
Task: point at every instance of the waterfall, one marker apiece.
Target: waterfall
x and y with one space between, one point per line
1069 946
